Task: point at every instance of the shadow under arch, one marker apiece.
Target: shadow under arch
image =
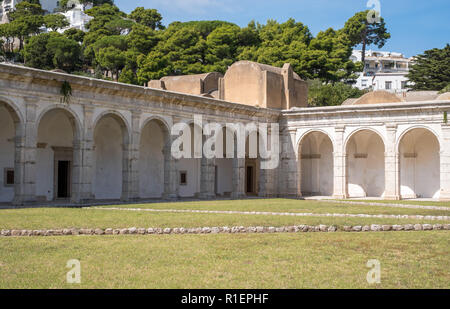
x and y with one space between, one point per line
111 177
365 163
154 158
316 164
58 162
11 145
419 163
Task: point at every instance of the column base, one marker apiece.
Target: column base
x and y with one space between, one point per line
444 196
206 196
339 196
170 196
237 195
392 197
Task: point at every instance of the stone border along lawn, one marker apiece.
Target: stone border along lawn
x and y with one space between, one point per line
226 230
416 205
298 214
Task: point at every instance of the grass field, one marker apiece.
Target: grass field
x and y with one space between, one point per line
303 260
316 260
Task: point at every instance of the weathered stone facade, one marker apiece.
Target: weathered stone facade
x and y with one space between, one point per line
112 142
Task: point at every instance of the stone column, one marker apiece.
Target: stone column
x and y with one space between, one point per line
288 171
25 156
238 182
340 162
130 172
88 158
445 163
171 181
391 166
77 170
207 178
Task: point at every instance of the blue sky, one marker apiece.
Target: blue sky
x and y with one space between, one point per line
415 25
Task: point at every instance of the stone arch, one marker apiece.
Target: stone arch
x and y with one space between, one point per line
75 120
365 163
305 134
120 120
11 142
409 129
58 154
315 153
111 156
354 132
419 163
154 157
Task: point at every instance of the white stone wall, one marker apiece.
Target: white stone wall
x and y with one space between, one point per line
108 144
7 134
151 161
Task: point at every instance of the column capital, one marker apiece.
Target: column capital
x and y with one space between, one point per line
31 100
391 126
339 128
88 108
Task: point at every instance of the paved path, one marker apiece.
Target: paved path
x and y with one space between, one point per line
385 204
420 217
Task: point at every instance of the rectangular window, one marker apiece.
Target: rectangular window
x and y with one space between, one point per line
404 84
9 177
388 85
364 83
183 178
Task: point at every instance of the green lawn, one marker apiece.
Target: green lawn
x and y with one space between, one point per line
53 218
311 260
301 260
288 205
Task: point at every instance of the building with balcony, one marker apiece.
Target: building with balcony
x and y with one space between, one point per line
383 71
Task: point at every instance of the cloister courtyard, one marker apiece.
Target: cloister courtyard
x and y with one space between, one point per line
251 243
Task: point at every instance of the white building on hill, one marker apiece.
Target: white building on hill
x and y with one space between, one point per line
383 71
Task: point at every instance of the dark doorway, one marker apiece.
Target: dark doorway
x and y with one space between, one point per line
249 180
63 179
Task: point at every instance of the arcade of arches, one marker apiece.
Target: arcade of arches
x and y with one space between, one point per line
113 142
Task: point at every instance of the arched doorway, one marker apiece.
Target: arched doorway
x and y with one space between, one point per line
365 165
9 130
419 164
154 138
57 133
316 165
110 143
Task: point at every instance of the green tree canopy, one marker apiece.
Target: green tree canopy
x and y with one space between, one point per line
147 17
320 94
361 30
431 70
52 50
55 21
26 19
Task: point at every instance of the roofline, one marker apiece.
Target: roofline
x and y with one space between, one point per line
27 72
379 107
